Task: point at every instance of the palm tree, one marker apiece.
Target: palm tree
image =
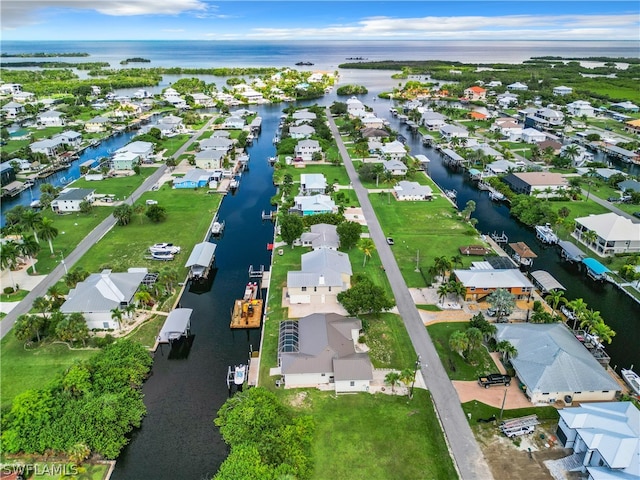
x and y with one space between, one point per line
590 236
571 152
590 320
116 314
29 247
366 246
55 296
555 297
130 309
138 209
457 260
604 332
579 308
507 350
443 291
458 289
142 297
48 232
459 342
443 264
31 220
42 305
392 378
8 257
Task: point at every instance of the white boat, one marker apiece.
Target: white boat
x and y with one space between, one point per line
545 234
239 375
162 256
632 379
496 196
164 248
217 228
451 193
35 204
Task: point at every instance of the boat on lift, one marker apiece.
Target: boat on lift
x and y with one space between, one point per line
239 374
632 379
545 234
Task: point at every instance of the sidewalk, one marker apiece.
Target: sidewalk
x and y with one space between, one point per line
22 279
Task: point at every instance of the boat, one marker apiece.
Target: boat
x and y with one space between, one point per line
166 256
247 311
164 248
304 63
452 194
272 160
233 185
239 374
545 234
496 196
522 254
217 228
356 58
35 204
632 379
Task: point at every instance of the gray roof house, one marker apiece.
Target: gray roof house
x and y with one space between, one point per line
396 167
324 273
322 235
216 143
633 185
302 131
412 191
554 366
324 351
102 292
312 183
69 199
209 159
605 438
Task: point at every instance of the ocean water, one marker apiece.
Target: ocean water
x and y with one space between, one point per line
324 55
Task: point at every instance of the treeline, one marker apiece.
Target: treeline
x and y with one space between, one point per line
78 65
88 409
629 60
43 54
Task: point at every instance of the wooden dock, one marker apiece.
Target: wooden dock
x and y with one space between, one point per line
246 313
254 369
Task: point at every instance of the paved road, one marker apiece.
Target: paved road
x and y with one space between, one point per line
83 247
465 450
610 206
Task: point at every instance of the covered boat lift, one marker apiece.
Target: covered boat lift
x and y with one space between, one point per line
595 269
200 260
545 281
570 252
522 254
177 325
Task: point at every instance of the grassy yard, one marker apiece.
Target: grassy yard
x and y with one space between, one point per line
379 436
14 297
25 369
432 228
147 333
457 367
333 173
121 187
481 410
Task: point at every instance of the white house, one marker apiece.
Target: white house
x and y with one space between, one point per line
304 115
125 160
323 274
69 137
202 100
170 124
47 146
313 204
554 366
216 143
306 148
531 135
500 167
395 167
562 90
393 150
518 86
371 121
433 121
355 108
548 117
450 132
69 199
321 235
323 352
96 124
143 149
171 95
209 159
412 191
312 183
581 108
50 118
508 128
10 88
605 438
234 123
12 109
614 233
505 100
24 97
100 293
301 132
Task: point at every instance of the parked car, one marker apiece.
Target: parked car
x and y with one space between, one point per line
390 241
636 214
520 431
613 199
494 379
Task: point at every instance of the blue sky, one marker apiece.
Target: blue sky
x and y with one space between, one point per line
312 20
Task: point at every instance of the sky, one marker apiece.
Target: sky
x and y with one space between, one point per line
37 20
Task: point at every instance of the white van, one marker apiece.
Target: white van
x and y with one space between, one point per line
517 431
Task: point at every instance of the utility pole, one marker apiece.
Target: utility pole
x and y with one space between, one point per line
417 270
415 372
504 399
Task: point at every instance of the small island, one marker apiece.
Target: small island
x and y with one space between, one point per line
135 60
352 90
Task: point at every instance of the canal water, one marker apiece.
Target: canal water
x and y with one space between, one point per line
178 438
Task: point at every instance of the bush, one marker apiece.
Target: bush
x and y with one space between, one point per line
8 290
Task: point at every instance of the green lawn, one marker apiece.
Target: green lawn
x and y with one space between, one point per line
365 436
389 342
14 297
333 173
481 410
456 366
25 369
121 187
147 333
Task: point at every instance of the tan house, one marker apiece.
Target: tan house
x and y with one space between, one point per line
323 275
475 93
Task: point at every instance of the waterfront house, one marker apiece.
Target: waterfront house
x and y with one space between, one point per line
582 154
221 144
479 283
614 233
96 124
433 121
312 184
203 100
313 204
305 149
371 121
629 186
172 96
604 437
537 184
320 350
395 167
12 109
7 173
195 178
49 147
50 118
411 191
10 88
69 138
301 132
554 145
449 132
170 125
500 167
505 100
102 292
234 123
124 160
626 106
69 199
475 93
531 135
24 97
143 149
581 108
323 274
321 235
488 151
304 115
517 86
209 159
554 366
393 151
355 108
562 90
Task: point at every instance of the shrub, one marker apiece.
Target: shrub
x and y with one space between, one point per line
8 290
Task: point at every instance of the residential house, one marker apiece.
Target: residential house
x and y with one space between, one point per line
248 93
554 366
203 100
324 273
321 235
209 159
172 96
100 293
632 126
494 83
488 151
50 118
221 133
411 191
537 184
374 133
371 121
305 149
581 108
479 283
433 121
10 88
449 132
234 123
313 204
301 132
475 93
505 100
531 135
12 110
544 118
69 138
312 184
142 93
554 145
518 86
500 167
195 178
582 155
562 90
629 186
508 128
323 353
170 125
7 173
397 168
355 108
69 199
626 106
614 233
221 144
24 97
124 160
49 147
96 124
304 115
604 437
143 149
393 150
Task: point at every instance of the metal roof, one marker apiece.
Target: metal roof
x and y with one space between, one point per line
201 255
571 250
176 325
546 281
